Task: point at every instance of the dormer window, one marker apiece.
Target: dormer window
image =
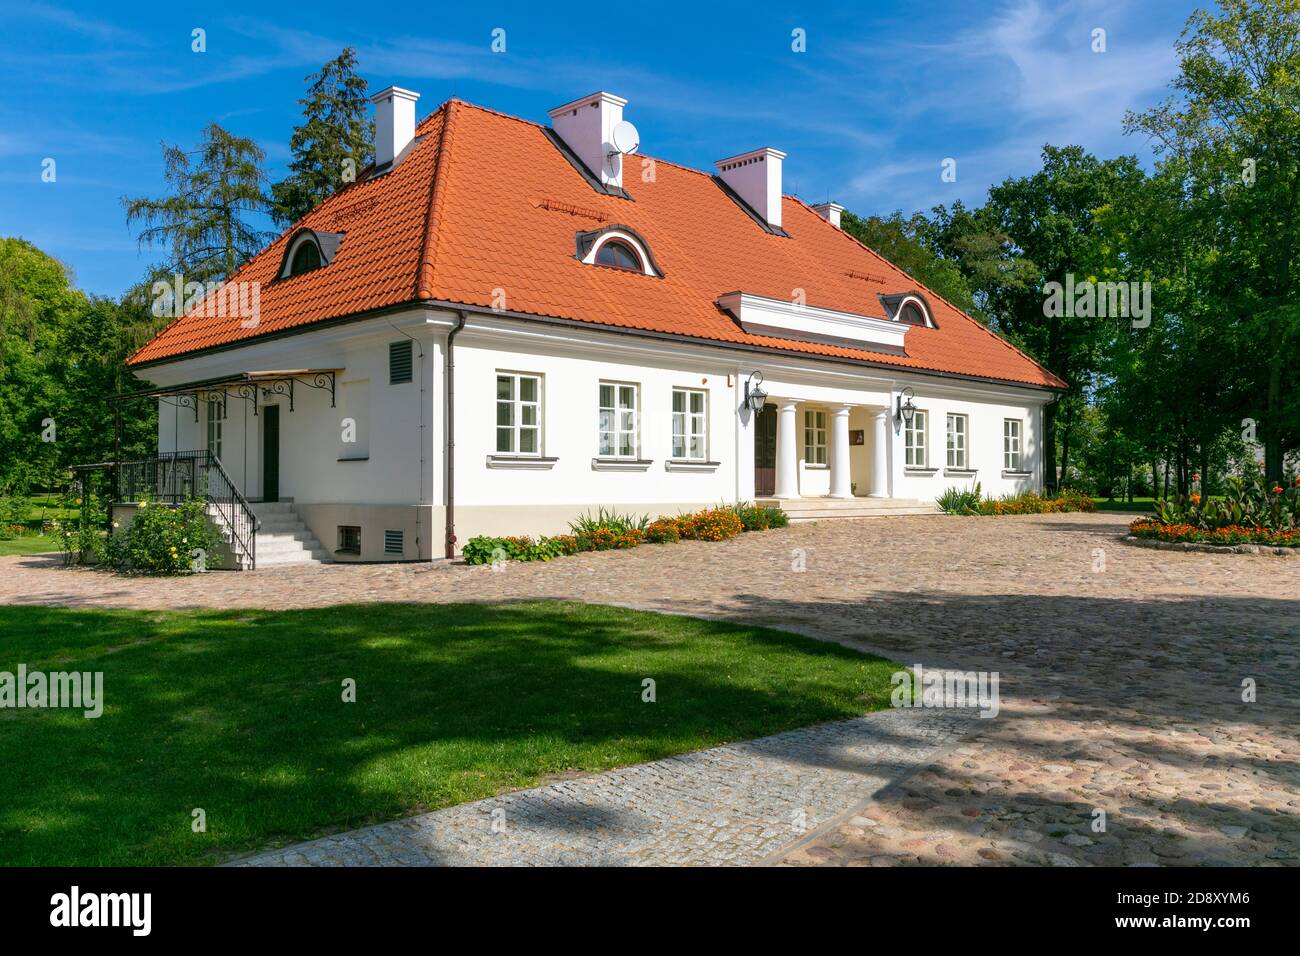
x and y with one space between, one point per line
618 255
308 251
909 307
617 247
305 259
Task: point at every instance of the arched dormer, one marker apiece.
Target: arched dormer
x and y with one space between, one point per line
309 250
909 307
617 247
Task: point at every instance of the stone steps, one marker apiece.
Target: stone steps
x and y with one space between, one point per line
282 538
827 509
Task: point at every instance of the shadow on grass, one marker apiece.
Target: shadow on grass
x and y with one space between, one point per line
240 714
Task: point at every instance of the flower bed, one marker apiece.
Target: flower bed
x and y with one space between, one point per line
609 531
959 501
1151 528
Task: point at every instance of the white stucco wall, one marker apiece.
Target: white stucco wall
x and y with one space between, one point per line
398 458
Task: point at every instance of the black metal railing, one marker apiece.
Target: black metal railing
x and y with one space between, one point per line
179 476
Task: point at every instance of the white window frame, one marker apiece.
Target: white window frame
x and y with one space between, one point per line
1013 444
518 409
815 433
958 444
692 424
916 440
215 429
625 419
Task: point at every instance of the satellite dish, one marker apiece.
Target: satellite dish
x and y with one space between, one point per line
624 137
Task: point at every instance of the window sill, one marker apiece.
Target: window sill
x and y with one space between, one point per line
1016 473
620 464
961 472
356 458
688 464
919 472
521 462
810 466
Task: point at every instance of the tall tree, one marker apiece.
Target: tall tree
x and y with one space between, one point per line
37 306
1036 230
335 140
904 243
1231 131
206 224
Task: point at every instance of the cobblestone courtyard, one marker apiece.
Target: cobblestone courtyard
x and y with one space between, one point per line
1121 684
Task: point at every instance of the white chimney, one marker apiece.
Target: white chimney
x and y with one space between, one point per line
587 127
756 178
830 211
394 122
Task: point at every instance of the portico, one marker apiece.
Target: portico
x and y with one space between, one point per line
818 449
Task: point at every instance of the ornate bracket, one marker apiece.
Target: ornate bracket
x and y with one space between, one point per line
320 380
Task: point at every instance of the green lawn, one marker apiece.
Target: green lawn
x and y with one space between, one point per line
240 713
28 544
40 508
1137 505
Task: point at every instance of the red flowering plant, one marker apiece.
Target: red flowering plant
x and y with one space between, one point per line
1252 510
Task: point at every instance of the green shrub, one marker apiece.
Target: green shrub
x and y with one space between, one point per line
960 501
162 539
759 517
485 549
14 514
609 521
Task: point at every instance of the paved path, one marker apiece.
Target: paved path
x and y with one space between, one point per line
724 806
1121 670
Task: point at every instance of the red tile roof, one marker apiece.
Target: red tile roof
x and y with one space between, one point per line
486 202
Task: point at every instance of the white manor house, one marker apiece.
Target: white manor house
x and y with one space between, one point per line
502 325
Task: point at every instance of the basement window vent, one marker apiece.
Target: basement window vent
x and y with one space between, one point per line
394 542
399 362
349 539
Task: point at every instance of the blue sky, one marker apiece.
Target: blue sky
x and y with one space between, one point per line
883 94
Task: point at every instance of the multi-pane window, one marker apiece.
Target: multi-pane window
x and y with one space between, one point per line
216 419
618 408
814 437
914 435
956 441
519 414
1011 444
689 439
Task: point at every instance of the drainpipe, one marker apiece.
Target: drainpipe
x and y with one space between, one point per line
449 455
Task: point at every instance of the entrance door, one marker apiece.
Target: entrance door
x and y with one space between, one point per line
271 453
765 452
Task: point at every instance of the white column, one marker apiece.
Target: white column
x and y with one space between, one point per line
787 454
841 486
880 455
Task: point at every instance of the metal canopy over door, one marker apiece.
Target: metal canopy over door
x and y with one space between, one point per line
765 452
271 453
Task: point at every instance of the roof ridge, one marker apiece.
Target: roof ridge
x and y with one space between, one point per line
437 193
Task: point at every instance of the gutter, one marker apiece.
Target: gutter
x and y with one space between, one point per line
449 454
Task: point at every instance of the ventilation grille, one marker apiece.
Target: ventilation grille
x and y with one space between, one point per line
394 542
399 362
